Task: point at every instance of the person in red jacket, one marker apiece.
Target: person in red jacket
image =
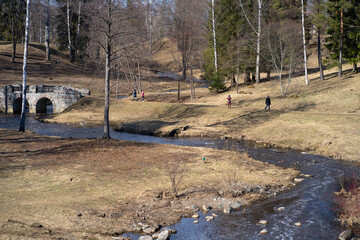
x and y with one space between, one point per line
229 101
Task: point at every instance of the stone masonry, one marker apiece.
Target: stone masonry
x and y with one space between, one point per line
38 97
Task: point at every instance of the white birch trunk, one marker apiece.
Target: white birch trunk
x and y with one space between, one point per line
258 43
47 29
214 34
69 30
79 17
304 41
23 110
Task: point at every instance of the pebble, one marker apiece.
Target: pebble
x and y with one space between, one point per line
298 224
298 180
263 222
214 215
264 231
196 221
196 216
281 209
227 209
209 218
346 235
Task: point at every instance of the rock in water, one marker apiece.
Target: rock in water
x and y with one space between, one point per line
209 218
346 235
281 209
298 224
196 216
147 237
263 222
196 221
264 231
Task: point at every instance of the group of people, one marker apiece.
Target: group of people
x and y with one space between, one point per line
134 95
267 102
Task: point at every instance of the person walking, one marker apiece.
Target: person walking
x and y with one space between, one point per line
134 95
229 101
267 102
142 95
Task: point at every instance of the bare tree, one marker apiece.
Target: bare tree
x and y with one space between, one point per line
176 171
23 110
284 47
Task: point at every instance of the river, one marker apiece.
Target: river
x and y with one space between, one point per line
311 202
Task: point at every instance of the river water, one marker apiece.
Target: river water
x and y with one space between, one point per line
311 202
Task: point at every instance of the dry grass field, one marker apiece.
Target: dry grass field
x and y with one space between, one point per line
94 189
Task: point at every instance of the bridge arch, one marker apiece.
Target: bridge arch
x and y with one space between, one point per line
17 106
44 105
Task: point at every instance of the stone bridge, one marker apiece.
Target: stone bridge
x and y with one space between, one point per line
39 99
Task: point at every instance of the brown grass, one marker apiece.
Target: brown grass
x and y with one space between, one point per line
51 181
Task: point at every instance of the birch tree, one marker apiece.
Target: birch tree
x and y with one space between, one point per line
47 29
214 34
23 110
70 43
258 34
304 41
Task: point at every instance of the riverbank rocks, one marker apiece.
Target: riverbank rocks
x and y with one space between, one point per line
196 216
263 232
205 208
227 209
298 224
264 222
235 205
150 230
146 237
164 235
346 235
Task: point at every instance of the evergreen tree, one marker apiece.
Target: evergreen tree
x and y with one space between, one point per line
79 38
340 40
12 15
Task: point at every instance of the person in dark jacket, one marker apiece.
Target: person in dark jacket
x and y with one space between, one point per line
267 102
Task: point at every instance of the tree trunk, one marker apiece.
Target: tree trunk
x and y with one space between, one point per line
304 42
47 29
23 112
321 70
107 74
237 79
258 43
268 74
150 26
247 77
71 50
214 34
13 37
192 89
341 42
355 67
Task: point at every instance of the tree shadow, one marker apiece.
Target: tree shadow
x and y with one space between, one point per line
150 128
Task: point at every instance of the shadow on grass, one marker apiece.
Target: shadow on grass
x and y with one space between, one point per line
150 128
259 117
